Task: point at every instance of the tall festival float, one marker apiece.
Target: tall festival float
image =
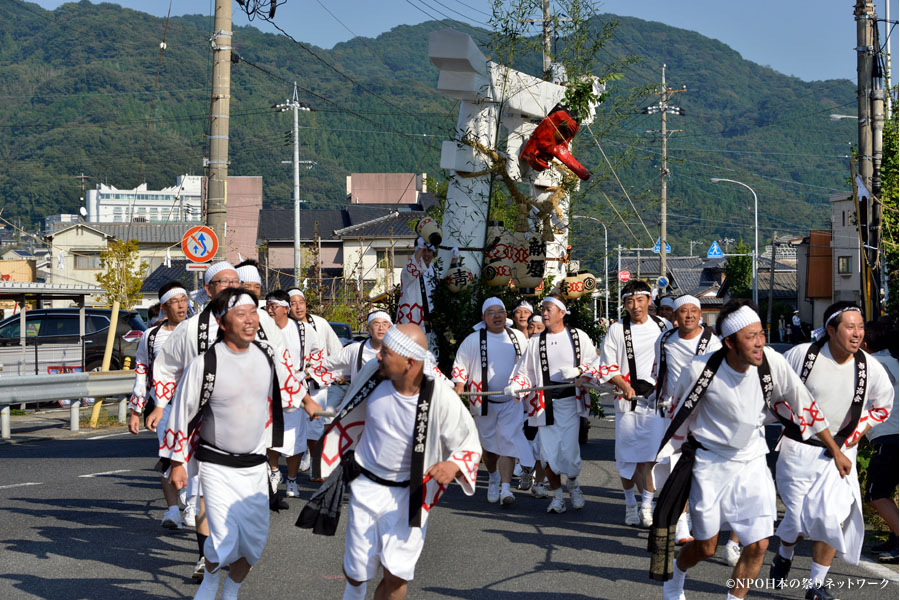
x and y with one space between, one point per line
534 164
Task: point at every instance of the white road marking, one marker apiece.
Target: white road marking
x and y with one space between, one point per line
879 570
106 473
108 435
15 485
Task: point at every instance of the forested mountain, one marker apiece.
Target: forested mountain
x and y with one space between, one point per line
79 94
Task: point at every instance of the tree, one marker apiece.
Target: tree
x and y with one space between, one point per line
889 193
739 271
122 274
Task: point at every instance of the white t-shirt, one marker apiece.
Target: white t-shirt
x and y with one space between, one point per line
679 353
560 354
889 427
501 360
643 338
385 446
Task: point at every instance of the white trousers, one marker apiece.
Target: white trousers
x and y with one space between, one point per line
378 532
638 434
500 432
237 511
296 423
559 442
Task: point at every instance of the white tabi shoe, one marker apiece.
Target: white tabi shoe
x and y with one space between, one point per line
670 592
732 554
493 493
304 463
632 515
172 518
577 497
557 505
646 514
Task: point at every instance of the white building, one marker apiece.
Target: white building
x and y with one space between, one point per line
181 202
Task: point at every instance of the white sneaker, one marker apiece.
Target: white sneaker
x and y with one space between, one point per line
576 496
172 518
632 515
292 490
182 496
646 516
517 472
493 494
732 554
557 505
274 478
197 575
539 490
304 463
507 499
682 531
190 515
671 592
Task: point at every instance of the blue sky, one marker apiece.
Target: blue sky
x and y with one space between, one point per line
810 39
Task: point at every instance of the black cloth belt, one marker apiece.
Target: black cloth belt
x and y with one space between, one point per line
381 480
206 452
556 394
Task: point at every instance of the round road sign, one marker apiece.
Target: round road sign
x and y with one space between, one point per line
199 244
624 275
662 282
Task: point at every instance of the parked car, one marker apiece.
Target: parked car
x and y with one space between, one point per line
343 331
49 329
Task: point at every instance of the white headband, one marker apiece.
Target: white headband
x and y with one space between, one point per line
493 301
524 304
686 299
742 317
234 302
843 310
640 293
248 274
295 292
553 300
404 345
667 301
277 302
537 319
175 291
378 314
215 269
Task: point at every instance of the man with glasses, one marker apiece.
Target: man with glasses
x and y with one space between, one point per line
485 361
348 362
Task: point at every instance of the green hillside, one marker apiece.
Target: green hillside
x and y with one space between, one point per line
78 85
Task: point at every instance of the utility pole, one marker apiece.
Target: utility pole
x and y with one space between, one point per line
294 105
692 242
619 283
889 107
663 108
546 22
771 291
217 166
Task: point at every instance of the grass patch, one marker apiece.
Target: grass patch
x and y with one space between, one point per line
18 412
105 421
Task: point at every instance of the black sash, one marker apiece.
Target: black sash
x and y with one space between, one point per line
482 344
359 355
417 462
203 342
209 384
426 310
641 387
150 403
301 332
663 365
793 431
545 369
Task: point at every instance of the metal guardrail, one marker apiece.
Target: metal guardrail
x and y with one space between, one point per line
44 388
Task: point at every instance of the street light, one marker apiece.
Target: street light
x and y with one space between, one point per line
837 117
756 236
605 265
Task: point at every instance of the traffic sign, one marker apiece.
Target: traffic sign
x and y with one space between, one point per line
624 275
714 251
197 267
199 244
662 282
656 247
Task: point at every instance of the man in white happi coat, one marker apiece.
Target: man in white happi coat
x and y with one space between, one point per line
319 342
173 304
417 282
853 393
226 412
553 357
629 346
295 420
521 316
192 338
673 352
724 400
412 436
350 360
484 362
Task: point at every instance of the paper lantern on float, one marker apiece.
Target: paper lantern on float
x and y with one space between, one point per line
571 287
430 231
498 242
458 279
497 272
589 282
530 260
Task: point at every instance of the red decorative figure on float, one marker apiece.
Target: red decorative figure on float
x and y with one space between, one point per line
551 140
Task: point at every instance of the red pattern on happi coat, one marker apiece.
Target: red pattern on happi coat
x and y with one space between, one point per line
345 440
164 391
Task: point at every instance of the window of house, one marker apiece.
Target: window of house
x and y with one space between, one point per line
844 265
87 261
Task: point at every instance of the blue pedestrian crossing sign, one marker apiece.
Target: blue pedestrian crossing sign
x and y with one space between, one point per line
714 251
656 247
